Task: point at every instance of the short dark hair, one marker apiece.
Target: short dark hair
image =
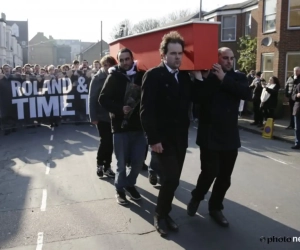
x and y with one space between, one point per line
75 62
258 73
171 37
124 50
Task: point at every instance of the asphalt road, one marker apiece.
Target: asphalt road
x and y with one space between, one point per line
51 198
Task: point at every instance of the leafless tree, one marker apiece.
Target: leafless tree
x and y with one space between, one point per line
145 25
178 15
122 29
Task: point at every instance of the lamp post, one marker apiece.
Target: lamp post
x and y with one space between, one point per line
200 11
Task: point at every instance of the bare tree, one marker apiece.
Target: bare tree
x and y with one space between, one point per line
122 29
145 25
178 15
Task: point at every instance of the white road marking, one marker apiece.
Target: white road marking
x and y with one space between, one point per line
48 168
44 200
50 150
51 138
40 241
195 127
271 158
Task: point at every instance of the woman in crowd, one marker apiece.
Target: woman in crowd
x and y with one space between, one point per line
269 97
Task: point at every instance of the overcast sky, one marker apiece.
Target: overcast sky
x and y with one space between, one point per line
81 19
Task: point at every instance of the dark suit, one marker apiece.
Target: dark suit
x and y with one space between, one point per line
164 116
98 113
218 134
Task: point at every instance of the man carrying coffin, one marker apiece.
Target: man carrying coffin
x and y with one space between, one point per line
166 96
219 96
121 96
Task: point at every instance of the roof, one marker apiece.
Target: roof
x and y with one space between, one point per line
91 46
235 6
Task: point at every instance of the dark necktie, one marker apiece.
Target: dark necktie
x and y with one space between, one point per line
174 75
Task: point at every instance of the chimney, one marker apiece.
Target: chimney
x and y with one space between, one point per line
3 17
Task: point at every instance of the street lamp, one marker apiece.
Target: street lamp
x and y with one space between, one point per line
200 14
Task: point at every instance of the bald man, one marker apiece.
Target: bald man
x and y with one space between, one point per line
218 137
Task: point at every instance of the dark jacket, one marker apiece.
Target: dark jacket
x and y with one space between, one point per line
112 99
271 103
257 90
218 110
97 112
289 86
164 106
296 90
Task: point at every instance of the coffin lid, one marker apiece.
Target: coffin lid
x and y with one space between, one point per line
163 28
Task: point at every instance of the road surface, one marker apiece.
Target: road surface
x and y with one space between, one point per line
51 198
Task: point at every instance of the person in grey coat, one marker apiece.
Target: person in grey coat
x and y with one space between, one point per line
100 117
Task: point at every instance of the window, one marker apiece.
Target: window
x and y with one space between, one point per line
267 60
270 15
248 24
7 40
228 28
294 14
292 61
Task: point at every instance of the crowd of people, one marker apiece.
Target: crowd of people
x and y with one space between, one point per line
265 99
51 71
135 110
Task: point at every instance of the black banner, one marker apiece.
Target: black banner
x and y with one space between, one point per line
25 101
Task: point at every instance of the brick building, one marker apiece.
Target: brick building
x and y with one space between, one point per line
279 23
275 23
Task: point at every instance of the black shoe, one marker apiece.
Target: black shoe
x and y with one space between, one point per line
296 147
133 193
109 173
145 166
160 225
192 207
171 224
100 171
152 179
121 198
219 218
290 127
253 123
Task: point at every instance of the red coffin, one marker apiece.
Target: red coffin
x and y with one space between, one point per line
201 45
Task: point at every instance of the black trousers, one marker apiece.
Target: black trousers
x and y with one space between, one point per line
169 166
105 150
292 121
268 113
215 166
258 116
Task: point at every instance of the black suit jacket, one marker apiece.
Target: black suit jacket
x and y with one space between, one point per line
218 110
164 106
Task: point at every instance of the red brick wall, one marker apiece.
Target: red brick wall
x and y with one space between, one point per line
288 39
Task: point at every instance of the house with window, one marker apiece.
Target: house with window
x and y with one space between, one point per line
11 51
275 23
280 26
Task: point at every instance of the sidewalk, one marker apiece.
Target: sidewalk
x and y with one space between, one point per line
280 131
